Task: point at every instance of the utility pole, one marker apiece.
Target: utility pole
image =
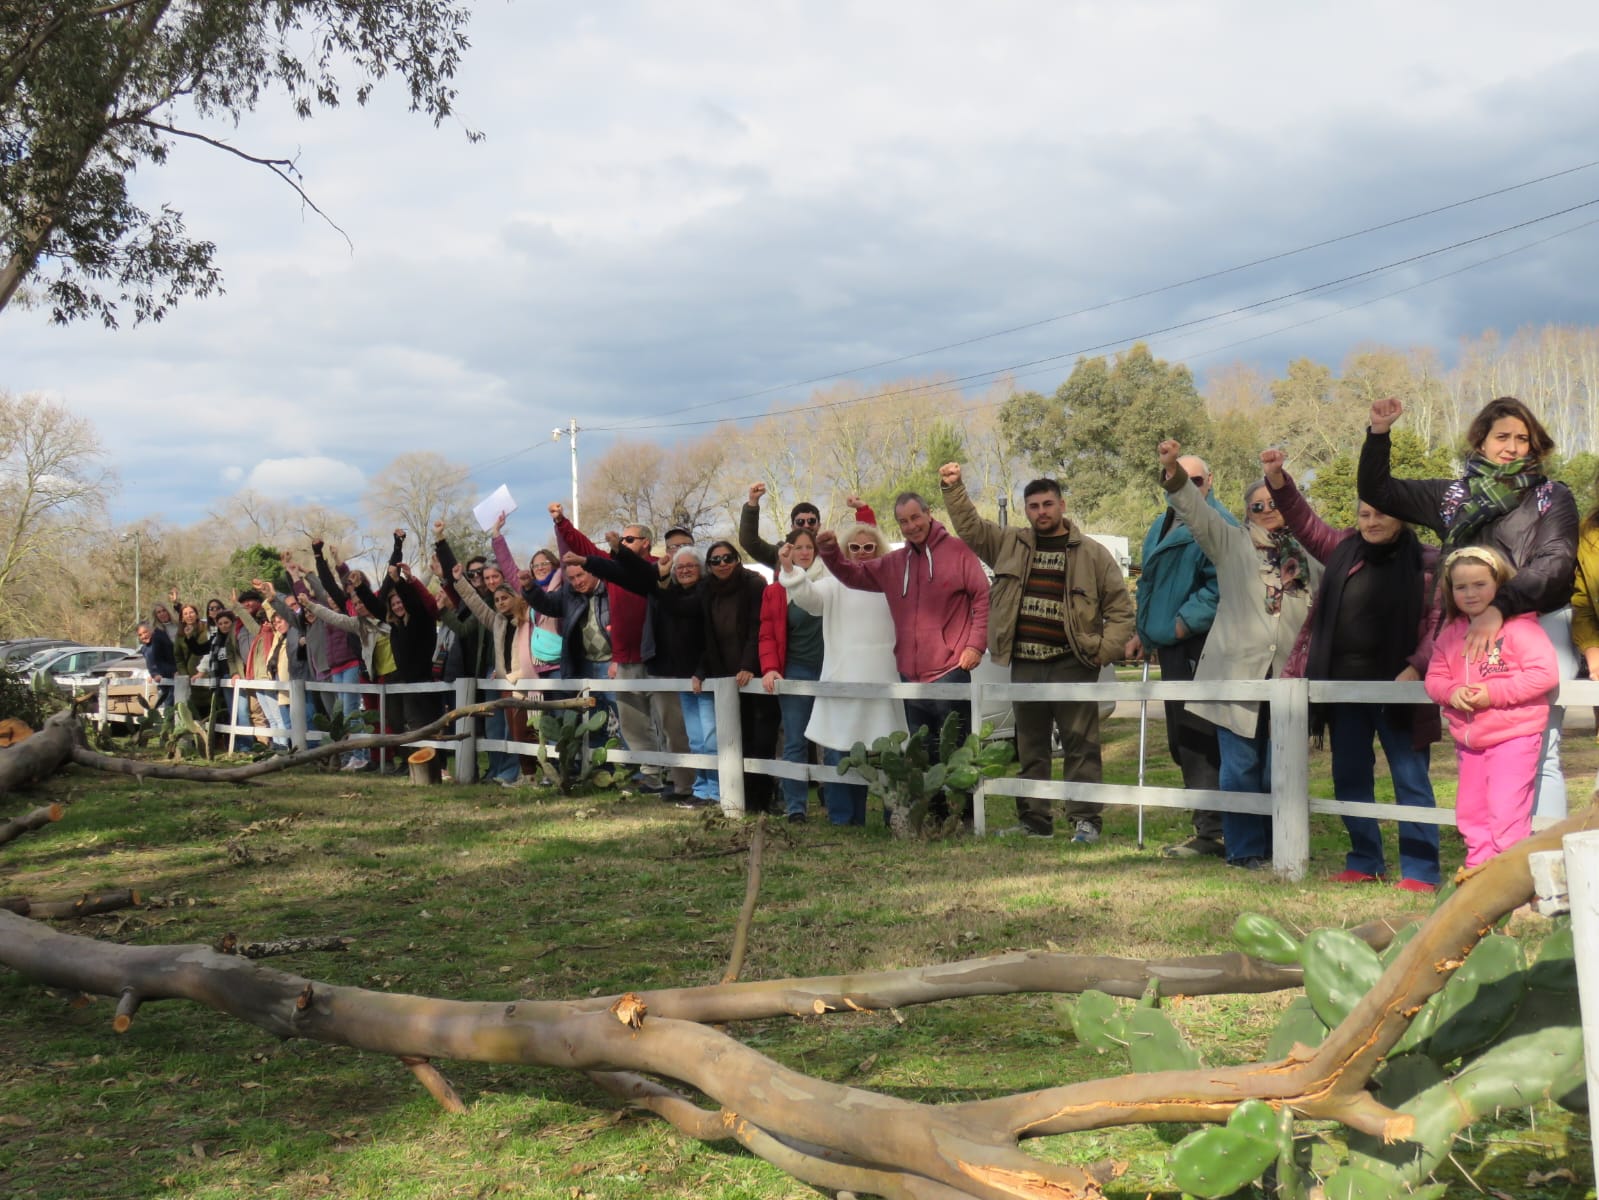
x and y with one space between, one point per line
570 432
138 543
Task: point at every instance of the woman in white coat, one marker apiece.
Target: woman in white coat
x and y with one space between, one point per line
858 647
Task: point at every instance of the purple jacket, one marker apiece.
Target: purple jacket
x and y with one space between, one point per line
937 594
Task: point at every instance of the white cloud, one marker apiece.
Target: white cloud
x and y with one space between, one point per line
232 474
315 478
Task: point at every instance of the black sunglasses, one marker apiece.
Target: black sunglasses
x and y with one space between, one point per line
1260 506
801 522
633 538
721 560
1199 479
470 571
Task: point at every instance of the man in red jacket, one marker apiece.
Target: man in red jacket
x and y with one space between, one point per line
938 597
632 646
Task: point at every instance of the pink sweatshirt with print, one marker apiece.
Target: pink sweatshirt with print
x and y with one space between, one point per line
1519 671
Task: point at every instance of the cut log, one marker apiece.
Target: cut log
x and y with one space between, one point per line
14 730
28 822
427 770
41 756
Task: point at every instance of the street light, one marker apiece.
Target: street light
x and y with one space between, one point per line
571 432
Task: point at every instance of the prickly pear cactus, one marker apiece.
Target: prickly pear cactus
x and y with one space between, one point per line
568 733
899 771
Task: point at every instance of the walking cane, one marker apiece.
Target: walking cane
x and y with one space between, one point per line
1143 741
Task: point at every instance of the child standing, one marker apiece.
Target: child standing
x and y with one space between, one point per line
1496 705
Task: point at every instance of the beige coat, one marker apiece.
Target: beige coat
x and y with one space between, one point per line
1246 642
1099 607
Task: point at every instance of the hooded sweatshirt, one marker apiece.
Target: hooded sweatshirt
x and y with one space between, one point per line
937 594
1519 670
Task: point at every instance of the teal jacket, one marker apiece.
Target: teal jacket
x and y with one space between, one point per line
1177 581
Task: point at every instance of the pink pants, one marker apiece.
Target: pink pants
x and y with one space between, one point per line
1493 805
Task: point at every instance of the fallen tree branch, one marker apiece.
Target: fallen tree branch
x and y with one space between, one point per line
746 913
86 905
85 757
230 944
28 822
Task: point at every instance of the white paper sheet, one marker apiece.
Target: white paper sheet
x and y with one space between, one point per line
488 511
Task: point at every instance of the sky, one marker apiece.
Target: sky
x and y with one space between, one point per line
681 212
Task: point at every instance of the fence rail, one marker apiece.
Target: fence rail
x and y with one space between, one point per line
1289 803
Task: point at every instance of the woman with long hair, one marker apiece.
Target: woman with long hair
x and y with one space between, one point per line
792 648
1505 501
509 623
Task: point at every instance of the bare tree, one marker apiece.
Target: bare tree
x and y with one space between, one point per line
416 489
53 489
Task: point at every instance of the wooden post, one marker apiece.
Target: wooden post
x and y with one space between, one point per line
1290 777
979 793
105 702
729 745
233 717
383 726
299 727
426 767
466 748
1582 885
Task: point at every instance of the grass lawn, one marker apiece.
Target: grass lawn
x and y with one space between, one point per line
485 893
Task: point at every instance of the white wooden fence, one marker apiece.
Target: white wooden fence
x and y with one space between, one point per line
1289 803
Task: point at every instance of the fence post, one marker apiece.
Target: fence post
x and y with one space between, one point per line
729 745
299 727
105 701
233 716
1290 777
1582 884
383 726
466 748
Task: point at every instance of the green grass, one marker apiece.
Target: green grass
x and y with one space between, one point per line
482 893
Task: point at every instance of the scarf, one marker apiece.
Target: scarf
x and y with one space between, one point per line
1280 555
1492 490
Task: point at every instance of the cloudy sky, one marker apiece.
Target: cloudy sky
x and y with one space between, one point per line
680 210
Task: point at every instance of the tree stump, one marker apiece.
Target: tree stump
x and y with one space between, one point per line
426 768
14 730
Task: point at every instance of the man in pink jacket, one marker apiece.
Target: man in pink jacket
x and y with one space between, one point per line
937 595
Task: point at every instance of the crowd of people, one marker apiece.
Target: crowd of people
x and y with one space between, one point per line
1490 620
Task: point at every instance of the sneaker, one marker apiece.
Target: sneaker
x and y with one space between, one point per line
796 818
1085 834
1250 864
1195 847
1416 885
1356 877
1025 831
353 766
509 783
649 786
697 802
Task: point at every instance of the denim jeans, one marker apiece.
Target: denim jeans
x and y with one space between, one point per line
1551 788
1245 767
796 712
932 714
1351 728
699 721
502 764
350 702
845 802
276 716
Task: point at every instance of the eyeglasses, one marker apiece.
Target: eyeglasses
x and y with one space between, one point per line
721 560
471 571
861 547
807 522
635 538
1199 479
1261 506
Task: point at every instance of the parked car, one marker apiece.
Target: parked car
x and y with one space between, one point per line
72 660
15 650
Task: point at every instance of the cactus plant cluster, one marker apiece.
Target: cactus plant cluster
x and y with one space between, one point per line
564 737
899 770
1502 1033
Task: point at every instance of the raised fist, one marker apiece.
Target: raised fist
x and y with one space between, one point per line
1385 412
572 559
1168 452
785 555
1271 465
438 531
399 535
827 542
556 511
757 490
854 501
949 475
613 539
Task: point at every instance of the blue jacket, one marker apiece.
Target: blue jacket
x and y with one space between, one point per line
1177 581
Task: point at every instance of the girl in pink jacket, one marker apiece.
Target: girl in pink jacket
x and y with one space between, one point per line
1496 704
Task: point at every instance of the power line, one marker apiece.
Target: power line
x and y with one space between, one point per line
992 373
1156 291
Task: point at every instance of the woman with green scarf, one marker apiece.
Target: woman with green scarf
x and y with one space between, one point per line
1265 580
1504 501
